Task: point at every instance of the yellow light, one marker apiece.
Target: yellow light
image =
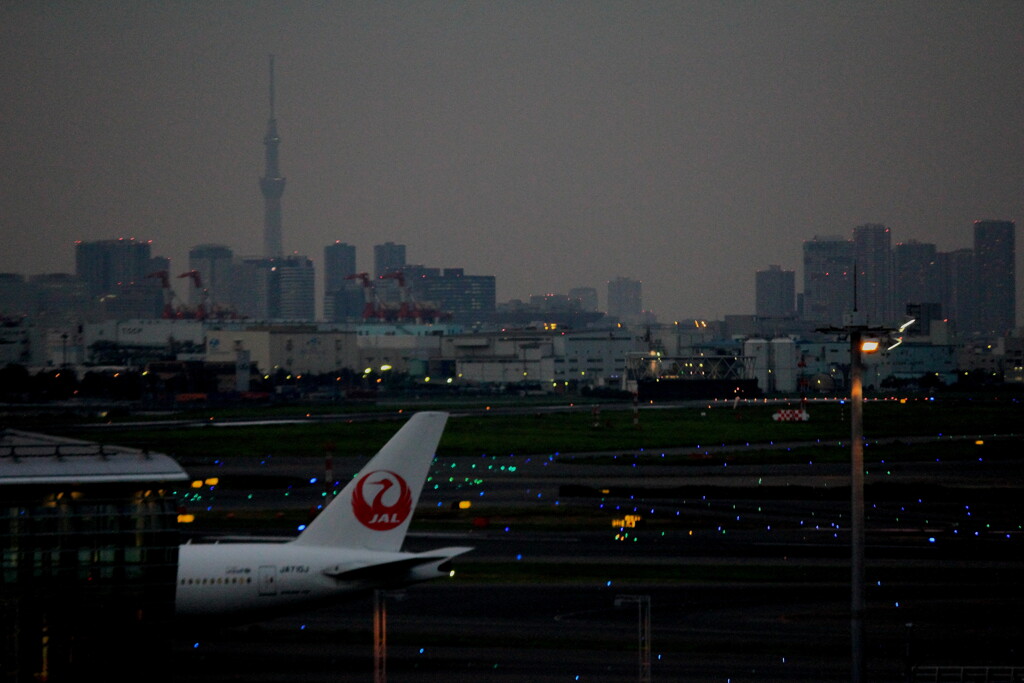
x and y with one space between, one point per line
186 519
979 442
628 523
465 504
385 368
869 346
212 481
197 484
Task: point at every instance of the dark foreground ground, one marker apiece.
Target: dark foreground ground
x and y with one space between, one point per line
746 570
568 633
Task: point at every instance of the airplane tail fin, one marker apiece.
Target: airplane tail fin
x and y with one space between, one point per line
374 510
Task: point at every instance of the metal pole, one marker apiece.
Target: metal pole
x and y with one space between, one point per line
643 633
380 618
856 509
328 472
645 639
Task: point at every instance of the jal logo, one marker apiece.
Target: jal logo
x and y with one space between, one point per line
381 500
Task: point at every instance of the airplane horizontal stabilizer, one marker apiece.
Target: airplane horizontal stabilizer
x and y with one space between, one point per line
397 570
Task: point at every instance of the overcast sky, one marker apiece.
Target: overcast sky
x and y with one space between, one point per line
552 144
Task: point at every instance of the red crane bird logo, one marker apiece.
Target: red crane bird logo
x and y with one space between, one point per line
387 509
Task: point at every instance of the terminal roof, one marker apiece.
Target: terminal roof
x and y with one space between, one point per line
32 458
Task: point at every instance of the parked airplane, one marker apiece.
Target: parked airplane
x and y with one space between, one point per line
353 545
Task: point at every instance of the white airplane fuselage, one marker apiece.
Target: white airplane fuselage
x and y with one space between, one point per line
233 580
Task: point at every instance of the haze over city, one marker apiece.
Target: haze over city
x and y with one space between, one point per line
553 145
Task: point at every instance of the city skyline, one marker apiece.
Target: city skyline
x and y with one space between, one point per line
685 145
893 277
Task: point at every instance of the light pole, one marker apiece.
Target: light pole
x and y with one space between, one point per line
380 634
856 508
859 344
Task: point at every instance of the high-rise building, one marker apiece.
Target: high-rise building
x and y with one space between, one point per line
339 263
828 280
292 285
214 263
388 258
995 275
342 297
775 293
117 273
106 266
625 299
956 288
272 183
587 296
917 274
345 304
469 299
872 252
275 289
251 286
60 298
15 296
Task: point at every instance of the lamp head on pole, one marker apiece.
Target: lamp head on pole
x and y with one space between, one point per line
869 346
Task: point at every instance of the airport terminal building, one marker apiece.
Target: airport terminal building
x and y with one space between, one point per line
89 543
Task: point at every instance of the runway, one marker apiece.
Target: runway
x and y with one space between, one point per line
745 581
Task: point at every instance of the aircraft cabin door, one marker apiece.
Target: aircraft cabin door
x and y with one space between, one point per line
268 580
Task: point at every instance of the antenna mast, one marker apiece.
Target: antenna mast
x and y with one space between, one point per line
271 87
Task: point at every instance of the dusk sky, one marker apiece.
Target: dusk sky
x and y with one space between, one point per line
552 144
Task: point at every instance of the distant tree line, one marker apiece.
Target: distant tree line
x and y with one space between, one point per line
18 385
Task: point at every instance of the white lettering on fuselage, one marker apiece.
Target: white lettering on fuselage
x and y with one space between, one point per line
295 569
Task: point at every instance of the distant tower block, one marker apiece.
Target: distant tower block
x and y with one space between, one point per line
272 183
995 299
774 293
